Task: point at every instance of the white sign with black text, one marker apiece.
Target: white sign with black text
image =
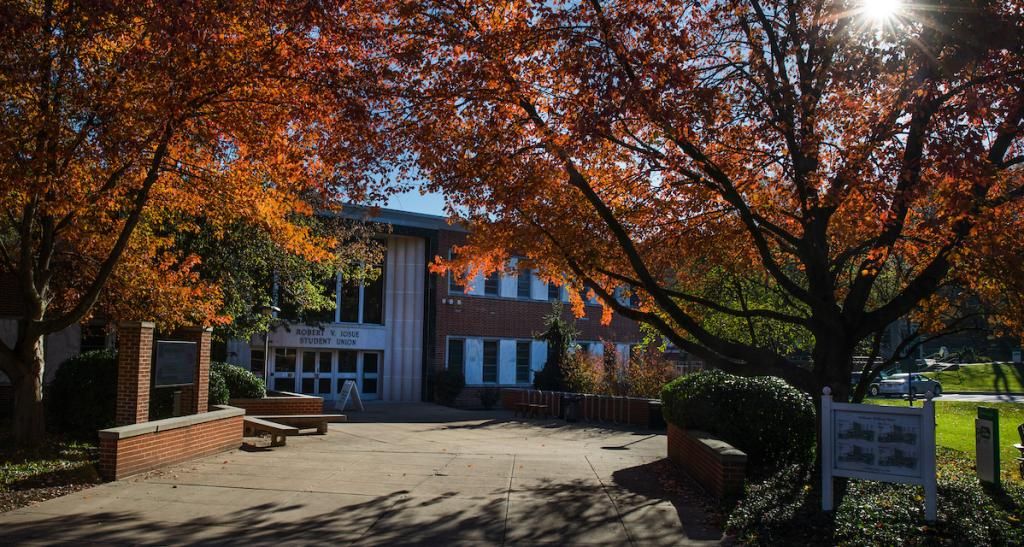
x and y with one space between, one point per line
333 336
883 443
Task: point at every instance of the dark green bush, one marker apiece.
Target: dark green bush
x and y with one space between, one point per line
768 419
489 396
82 396
786 510
218 393
448 385
240 383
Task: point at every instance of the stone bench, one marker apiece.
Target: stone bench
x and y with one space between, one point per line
278 432
303 421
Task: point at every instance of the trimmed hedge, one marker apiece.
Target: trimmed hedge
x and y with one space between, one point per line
240 383
768 419
218 392
82 396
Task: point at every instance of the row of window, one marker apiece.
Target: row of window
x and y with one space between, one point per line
491 359
354 302
524 289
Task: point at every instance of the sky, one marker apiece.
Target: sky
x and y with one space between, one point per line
429 204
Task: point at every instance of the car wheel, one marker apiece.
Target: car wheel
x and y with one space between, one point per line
937 390
873 391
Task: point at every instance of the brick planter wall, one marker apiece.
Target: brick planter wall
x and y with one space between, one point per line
279 403
132 449
597 408
714 464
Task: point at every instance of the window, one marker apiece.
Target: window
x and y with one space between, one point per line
257 358
362 301
456 355
490 368
523 283
349 302
491 284
554 292
522 362
329 288
453 287
373 300
284 360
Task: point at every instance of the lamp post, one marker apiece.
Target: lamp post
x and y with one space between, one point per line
270 312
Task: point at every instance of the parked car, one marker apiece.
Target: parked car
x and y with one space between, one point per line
896 385
873 389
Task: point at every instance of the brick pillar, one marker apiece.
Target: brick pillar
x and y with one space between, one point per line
198 402
134 360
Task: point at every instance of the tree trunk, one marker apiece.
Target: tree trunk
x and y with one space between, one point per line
29 416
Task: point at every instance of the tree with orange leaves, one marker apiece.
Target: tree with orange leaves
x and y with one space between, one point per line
845 163
124 123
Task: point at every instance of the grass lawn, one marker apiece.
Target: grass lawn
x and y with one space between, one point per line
1002 378
955 428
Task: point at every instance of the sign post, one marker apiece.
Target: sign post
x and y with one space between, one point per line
892 444
986 445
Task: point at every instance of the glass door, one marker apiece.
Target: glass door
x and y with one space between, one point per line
369 376
318 373
348 369
283 369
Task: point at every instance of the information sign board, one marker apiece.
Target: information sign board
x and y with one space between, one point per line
884 443
175 363
986 444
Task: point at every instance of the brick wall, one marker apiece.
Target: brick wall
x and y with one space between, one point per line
716 466
129 450
596 408
490 316
283 403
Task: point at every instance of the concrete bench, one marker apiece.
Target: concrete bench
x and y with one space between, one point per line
318 421
277 432
530 409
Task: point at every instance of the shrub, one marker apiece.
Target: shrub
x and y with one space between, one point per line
489 396
448 385
768 419
647 373
219 392
583 373
240 383
82 396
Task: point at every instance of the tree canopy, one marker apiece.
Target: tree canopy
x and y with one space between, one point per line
841 171
125 124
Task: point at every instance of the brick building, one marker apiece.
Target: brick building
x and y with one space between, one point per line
392 336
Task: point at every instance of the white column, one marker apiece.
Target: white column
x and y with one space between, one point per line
403 295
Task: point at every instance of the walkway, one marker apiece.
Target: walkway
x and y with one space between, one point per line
397 474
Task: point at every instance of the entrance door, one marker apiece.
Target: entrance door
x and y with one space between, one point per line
363 368
283 369
317 373
370 375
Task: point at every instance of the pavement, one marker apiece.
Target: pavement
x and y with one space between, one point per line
398 475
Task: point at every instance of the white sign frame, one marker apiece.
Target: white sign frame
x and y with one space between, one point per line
350 390
924 442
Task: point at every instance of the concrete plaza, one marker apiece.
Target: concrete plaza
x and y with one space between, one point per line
396 474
